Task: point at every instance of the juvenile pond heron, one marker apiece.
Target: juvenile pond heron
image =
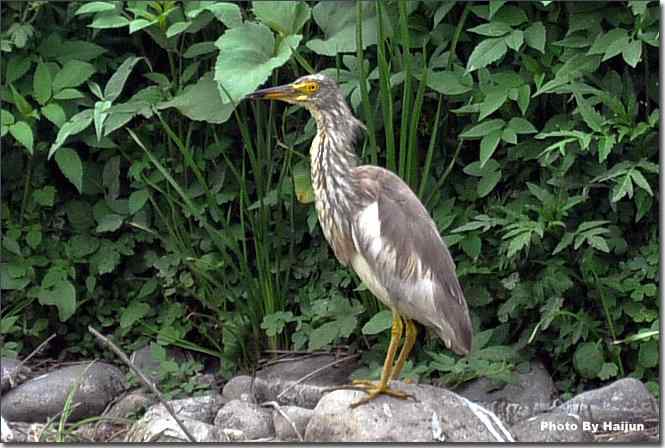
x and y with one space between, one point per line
374 222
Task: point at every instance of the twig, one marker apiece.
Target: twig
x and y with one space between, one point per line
315 372
278 408
143 379
27 358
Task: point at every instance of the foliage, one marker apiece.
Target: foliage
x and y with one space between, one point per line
142 196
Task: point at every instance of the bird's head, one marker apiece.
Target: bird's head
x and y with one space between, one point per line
310 91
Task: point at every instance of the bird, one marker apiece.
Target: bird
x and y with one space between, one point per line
377 225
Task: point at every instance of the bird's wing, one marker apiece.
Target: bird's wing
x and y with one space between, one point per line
400 243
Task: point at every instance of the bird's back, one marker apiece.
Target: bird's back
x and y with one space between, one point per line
401 256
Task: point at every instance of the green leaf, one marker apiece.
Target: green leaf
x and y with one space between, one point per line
54 113
632 53
648 356
45 196
21 103
535 36
134 312
641 181
227 13
566 241
115 85
515 40
599 243
493 101
488 182
75 125
109 223
509 136
624 186
75 50
82 245
603 41
23 134
483 129
518 243
41 84
199 49
70 165
323 335
337 20
521 126
608 371
302 184
62 295
486 52
449 82
284 17
95 7
488 145
443 10
381 321
109 19
472 245
177 28
68 94
588 360
137 200
247 57
492 29
512 15
72 74
201 102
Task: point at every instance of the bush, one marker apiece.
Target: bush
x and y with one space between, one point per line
142 196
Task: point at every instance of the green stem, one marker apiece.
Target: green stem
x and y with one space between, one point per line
26 190
458 31
441 181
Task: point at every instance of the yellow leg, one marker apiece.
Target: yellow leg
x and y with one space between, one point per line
409 341
374 390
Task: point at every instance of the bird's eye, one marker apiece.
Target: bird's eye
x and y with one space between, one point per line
313 87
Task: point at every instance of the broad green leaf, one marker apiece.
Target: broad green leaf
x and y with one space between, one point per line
41 84
323 335
109 223
598 242
337 20
381 321
566 241
95 7
284 17
22 132
509 136
137 200
641 181
68 94
247 57
488 182
515 40
484 128
616 47
117 82
63 296
226 12
492 29
201 102
512 15
302 184
486 52
79 50
54 113
82 245
108 20
534 36
624 186
472 245
488 145
493 101
72 74
605 145
449 82
21 103
603 41
75 125
16 68
70 165
590 116
495 5
518 243
44 196
199 49
177 28
443 10
521 126
608 371
648 356
632 53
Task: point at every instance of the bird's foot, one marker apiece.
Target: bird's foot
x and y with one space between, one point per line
373 390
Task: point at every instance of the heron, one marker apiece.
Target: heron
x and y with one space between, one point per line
377 225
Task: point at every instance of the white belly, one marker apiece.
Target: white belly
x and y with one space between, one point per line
371 280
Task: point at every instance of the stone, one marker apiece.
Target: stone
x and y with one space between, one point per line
146 363
130 404
10 374
435 415
296 415
254 421
624 400
548 427
203 408
280 382
533 393
157 425
239 388
44 396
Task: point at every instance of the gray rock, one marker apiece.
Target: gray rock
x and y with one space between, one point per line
9 376
625 400
240 388
146 363
44 396
533 393
158 426
130 404
296 415
550 427
203 408
275 379
435 415
254 421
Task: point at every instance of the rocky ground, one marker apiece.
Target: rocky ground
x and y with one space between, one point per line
291 401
